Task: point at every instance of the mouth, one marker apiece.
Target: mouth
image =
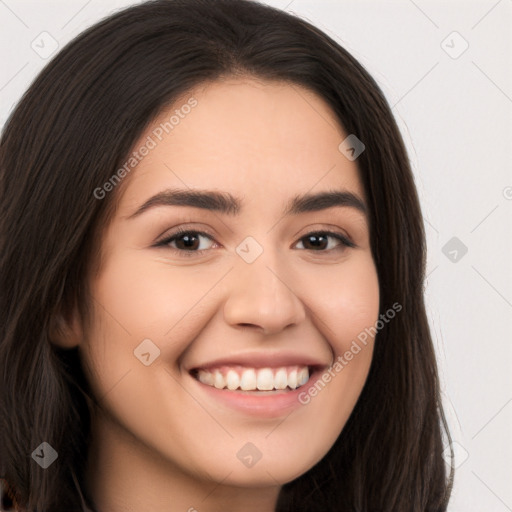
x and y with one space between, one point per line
264 393
256 380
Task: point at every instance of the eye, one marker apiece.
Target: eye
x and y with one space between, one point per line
317 241
188 242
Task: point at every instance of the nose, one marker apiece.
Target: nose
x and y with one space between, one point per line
262 296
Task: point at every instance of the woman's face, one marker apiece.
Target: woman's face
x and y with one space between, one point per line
252 296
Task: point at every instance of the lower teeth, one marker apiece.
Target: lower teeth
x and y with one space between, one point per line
260 391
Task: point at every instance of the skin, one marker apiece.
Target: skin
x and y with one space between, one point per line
159 443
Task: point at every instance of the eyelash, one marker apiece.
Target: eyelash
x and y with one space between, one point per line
345 242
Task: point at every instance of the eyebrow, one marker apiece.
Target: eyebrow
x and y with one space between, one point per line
226 203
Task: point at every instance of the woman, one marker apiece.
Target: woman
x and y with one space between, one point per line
212 269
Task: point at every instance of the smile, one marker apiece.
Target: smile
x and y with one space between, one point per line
253 379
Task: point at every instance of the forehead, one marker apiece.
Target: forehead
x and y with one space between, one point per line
248 137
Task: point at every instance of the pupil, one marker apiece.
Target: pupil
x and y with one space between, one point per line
316 239
189 241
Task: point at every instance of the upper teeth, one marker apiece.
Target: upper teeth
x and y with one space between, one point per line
250 379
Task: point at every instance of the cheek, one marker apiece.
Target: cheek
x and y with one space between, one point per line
346 310
135 300
345 299
149 298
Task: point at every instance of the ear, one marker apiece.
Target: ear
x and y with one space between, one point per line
66 329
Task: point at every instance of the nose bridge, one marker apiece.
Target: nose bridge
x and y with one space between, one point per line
261 292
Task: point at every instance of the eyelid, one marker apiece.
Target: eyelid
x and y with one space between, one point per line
177 230
330 230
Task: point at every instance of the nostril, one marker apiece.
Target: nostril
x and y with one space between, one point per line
244 327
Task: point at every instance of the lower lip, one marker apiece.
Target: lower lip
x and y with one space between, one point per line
265 405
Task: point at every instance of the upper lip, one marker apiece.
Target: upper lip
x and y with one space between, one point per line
263 360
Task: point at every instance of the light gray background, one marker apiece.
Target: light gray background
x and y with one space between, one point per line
454 112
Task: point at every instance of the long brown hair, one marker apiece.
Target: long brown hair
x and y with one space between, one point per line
68 135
